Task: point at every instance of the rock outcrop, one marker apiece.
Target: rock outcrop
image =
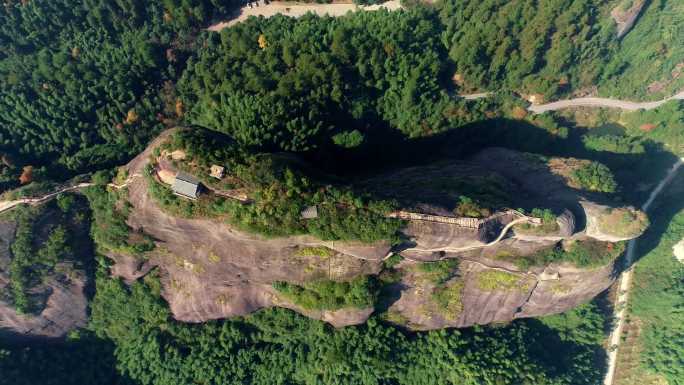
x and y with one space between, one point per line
678 251
210 270
626 18
566 224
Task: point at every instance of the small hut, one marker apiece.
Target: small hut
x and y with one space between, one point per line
186 185
217 171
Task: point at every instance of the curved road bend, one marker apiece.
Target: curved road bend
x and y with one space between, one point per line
587 102
602 102
626 279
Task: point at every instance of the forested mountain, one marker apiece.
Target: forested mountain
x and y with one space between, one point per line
86 84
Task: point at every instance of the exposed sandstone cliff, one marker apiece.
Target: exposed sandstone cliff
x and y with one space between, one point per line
210 270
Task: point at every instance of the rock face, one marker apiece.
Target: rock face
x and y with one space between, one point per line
566 224
678 251
494 291
64 311
210 271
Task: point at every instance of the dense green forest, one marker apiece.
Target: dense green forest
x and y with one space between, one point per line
553 47
97 79
86 83
291 84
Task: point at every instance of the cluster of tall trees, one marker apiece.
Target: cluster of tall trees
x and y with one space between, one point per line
291 84
553 47
530 46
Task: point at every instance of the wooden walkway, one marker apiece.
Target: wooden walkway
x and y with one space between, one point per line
469 223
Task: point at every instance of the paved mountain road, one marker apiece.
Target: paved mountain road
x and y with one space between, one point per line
602 102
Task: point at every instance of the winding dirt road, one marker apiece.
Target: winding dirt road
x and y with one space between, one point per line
626 280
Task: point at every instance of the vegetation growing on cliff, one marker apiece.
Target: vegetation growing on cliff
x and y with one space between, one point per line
45 237
586 253
438 272
109 230
360 292
448 299
277 345
493 280
623 222
276 188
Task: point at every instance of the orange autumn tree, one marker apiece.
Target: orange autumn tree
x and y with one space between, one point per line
26 175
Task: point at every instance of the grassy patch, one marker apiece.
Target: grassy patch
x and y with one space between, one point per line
495 280
448 299
395 317
437 272
315 251
548 225
623 222
331 295
588 253
213 257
